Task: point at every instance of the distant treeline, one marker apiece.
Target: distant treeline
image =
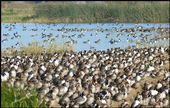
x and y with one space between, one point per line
127 12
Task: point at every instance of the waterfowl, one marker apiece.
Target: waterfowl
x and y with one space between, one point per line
62 89
4 40
30 85
11 81
96 34
17 44
161 50
38 84
152 101
68 42
146 101
6 34
148 85
81 99
158 105
90 99
124 104
13 72
165 102
136 84
17 83
91 47
48 77
118 96
34 35
135 103
52 103
31 75
87 42
4 76
64 101
98 41
158 85
150 68
119 40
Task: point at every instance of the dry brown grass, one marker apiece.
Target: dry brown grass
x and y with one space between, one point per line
36 48
17 5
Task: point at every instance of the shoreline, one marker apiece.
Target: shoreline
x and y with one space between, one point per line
48 21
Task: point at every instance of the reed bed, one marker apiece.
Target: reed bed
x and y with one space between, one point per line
37 48
126 12
105 12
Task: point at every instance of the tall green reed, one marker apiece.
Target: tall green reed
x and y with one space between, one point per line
104 12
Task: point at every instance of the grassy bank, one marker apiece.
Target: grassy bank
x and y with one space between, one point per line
126 12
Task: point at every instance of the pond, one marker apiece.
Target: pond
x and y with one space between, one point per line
106 33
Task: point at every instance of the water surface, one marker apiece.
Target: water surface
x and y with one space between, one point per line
101 29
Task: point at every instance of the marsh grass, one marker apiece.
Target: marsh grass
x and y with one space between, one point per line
14 97
38 47
11 19
103 12
71 12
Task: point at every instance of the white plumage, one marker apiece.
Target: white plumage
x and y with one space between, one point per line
81 99
5 77
56 62
138 78
162 50
153 92
159 85
43 68
30 76
151 68
135 103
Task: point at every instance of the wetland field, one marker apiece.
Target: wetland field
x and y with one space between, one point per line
104 54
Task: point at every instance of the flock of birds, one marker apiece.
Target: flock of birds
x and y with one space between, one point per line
132 37
92 78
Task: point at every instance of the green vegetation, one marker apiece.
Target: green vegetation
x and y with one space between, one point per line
15 19
14 97
149 64
104 12
125 11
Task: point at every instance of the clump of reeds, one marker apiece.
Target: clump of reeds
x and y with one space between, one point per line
37 48
104 12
